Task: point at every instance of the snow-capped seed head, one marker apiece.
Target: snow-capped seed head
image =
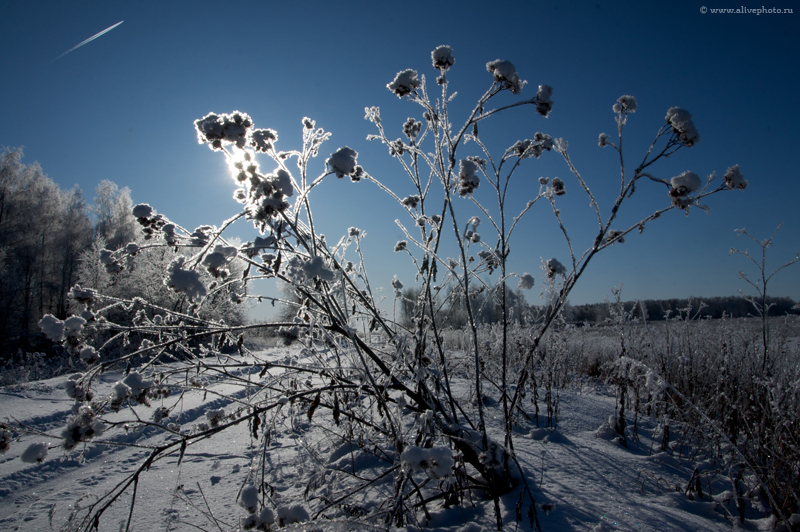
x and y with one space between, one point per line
468 179
168 231
490 258
354 231
266 200
281 181
83 295
544 180
316 268
215 416
404 83
627 104
553 267
532 148
35 453
396 147
411 128
201 235
265 518
142 210
219 130
343 162
602 141
107 259
219 258
525 281
734 178
558 187
506 73
81 426
614 236
442 57
411 201
106 256
209 130
52 327
249 499
682 126
292 514
520 148
308 123
74 390
263 140
5 440
89 355
138 386
686 183
543 102
397 284
186 281
544 93
544 139
401 245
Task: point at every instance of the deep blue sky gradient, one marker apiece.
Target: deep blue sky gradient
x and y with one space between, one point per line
122 106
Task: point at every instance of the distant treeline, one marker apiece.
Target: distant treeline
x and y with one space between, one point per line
486 308
660 309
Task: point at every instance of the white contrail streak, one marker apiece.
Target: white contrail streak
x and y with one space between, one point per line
90 39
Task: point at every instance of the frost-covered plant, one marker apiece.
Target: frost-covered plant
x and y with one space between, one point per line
733 179
699 379
394 399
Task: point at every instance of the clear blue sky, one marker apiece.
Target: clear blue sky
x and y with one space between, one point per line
122 106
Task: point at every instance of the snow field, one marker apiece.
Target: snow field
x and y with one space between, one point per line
582 482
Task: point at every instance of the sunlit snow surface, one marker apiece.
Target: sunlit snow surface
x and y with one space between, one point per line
582 482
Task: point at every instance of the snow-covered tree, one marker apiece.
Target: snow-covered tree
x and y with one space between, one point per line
114 220
42 231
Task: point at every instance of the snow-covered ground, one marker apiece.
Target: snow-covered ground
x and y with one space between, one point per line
584 480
